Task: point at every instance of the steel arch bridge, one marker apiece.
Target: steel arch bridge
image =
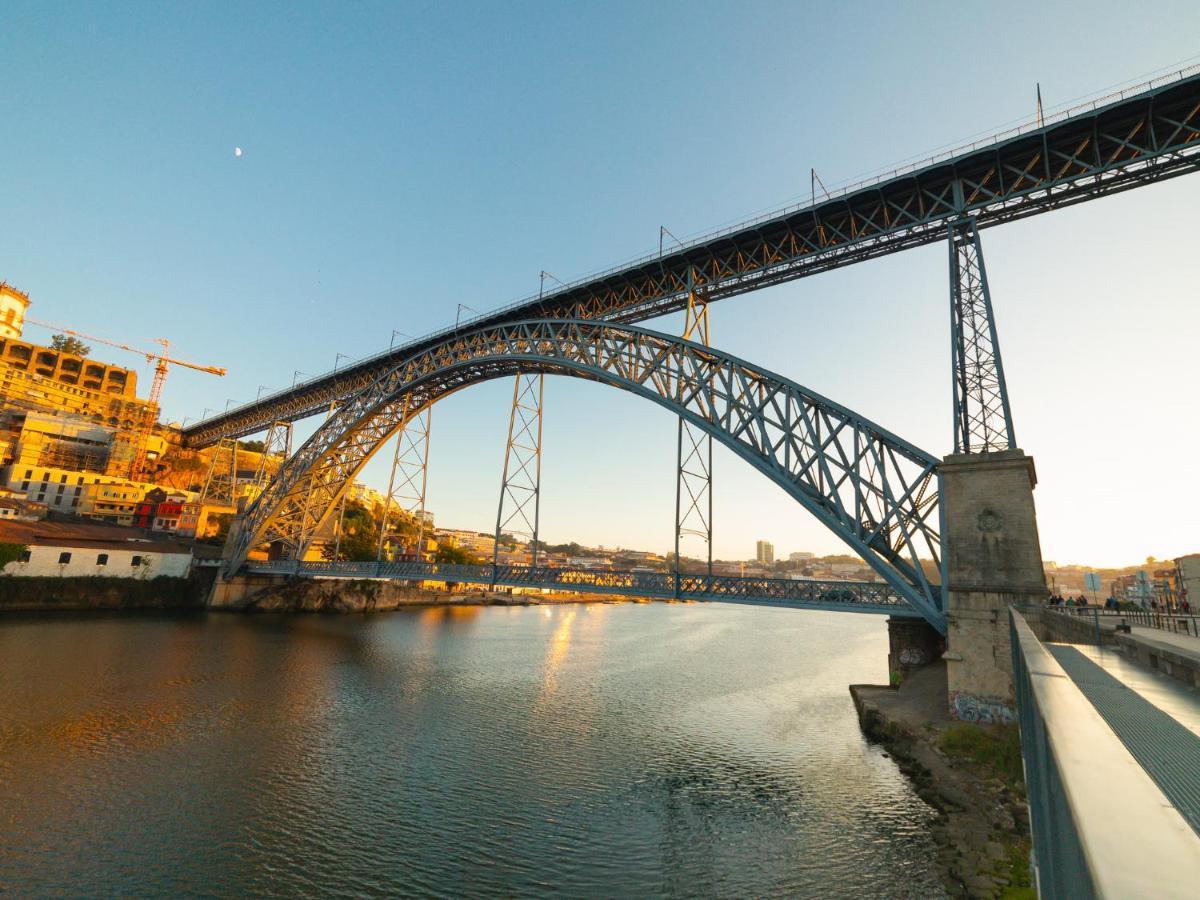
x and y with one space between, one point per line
877 492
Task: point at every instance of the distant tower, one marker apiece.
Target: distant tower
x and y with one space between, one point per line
764 552
13 304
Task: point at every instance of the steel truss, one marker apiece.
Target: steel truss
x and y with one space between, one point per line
521 484
982 417
845 596
877 492
278 442
408 478
1133 141
220 484
693 467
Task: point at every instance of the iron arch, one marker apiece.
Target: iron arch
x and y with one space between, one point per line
875 491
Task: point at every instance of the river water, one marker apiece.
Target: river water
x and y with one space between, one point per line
584 750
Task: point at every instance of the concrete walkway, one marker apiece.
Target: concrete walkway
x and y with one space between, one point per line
1180 642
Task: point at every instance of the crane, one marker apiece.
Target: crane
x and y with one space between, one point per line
160 360
161 363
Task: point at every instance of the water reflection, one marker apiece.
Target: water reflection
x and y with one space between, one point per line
579 750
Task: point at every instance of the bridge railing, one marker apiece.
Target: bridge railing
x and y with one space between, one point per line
1101 827
868 596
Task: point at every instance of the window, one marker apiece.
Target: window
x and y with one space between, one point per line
75 502
102 559
41 496
63 479
80 481
61 488
136 561
64 558
45 476
24 485
29 473
24 557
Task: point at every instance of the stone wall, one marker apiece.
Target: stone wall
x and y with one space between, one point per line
994 561
37 594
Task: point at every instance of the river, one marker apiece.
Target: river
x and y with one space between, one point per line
582 750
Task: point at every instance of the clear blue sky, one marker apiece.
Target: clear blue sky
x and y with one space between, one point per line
402 158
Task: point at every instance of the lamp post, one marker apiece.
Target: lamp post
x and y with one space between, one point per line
337 359
296 375
261 388
392 342
458 313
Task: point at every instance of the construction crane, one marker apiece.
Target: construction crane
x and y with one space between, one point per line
161 363
161 360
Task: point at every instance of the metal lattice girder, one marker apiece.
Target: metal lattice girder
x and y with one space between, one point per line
277 443
693 470
877 492
220 484
844 596
1095 151
982 417
521 484
409 476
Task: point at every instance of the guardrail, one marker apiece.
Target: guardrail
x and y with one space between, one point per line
1163 620
854 596
1101 827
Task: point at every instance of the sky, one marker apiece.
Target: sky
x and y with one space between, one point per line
402 158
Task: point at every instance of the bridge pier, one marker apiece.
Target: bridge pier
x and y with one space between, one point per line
912 643
993 560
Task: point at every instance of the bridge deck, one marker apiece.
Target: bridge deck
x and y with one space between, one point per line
841 596
1108 146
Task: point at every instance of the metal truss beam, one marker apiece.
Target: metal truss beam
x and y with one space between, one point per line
1102 149
982 417
277 443
220 483
408 479
874 490
843 596
521 484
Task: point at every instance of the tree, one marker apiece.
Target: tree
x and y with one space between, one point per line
457 556
10 553
251 446
72 345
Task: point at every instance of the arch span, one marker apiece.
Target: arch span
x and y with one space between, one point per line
874 490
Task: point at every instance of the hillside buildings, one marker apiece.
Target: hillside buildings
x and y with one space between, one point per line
764 552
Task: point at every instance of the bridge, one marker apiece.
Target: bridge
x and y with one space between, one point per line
783 593
953 538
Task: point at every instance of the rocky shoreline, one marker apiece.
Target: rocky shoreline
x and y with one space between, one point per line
969 774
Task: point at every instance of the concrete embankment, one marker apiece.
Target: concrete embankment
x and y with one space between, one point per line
969 774
47 594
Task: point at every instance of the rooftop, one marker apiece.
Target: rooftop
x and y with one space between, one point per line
81 534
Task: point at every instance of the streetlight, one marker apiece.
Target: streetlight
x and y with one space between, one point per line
338 359
392 342
457 314
227 402
207 410
296 375
261 388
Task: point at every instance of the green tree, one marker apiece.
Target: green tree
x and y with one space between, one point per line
66 344
251 446
10 553
457 556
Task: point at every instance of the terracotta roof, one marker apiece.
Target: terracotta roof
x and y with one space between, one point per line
83 534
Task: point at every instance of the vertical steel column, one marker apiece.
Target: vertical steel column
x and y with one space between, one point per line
278 442
411 462
693 471
220 484
982 418
521 487
308 527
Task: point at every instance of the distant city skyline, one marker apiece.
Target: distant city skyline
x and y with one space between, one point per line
397 162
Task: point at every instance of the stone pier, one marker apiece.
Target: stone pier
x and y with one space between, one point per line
912 643
994 560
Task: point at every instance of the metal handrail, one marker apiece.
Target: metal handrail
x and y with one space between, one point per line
1101 826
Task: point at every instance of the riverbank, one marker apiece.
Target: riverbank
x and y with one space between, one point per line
970 774
329 596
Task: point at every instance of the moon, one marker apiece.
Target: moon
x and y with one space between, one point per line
237 151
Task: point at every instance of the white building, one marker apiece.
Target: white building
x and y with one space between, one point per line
70 549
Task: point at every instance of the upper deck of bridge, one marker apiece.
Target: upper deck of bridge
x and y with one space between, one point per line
1113 143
